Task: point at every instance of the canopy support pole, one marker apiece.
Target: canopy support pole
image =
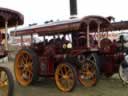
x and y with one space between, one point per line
32 39
14 34
88 38
6 35
99 35
21 38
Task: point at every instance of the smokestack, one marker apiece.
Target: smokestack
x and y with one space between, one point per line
73 8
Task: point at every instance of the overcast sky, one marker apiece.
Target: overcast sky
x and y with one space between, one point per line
38 11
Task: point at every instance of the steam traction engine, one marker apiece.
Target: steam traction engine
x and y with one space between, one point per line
8 18
70 50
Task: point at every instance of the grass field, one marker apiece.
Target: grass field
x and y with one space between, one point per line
110 87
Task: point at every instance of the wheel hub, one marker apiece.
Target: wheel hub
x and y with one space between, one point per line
66 77
88 73
26 66
25 76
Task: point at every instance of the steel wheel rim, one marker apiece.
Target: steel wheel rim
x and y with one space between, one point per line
64 77
122 74
23 68
87 74
4 83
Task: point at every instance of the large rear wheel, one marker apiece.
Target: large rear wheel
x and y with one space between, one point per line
87 74
65 77
26 67
6 82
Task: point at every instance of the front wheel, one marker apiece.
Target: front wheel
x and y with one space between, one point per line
123 72
6 82
65 77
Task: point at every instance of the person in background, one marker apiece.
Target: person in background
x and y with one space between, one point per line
0 37
3 40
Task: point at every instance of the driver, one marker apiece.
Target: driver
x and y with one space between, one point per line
65 43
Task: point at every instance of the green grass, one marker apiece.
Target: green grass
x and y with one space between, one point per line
109 87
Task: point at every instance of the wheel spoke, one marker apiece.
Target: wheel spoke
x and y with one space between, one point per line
30 75
21 66
23 59
30 66
27 58
26 76
22 71
59 74
62 72
60 78
23 75
65 69
68 72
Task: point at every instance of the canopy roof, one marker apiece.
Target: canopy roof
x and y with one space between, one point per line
116 26
61 27
11 16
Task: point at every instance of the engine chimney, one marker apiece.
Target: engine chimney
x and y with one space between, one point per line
73 8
